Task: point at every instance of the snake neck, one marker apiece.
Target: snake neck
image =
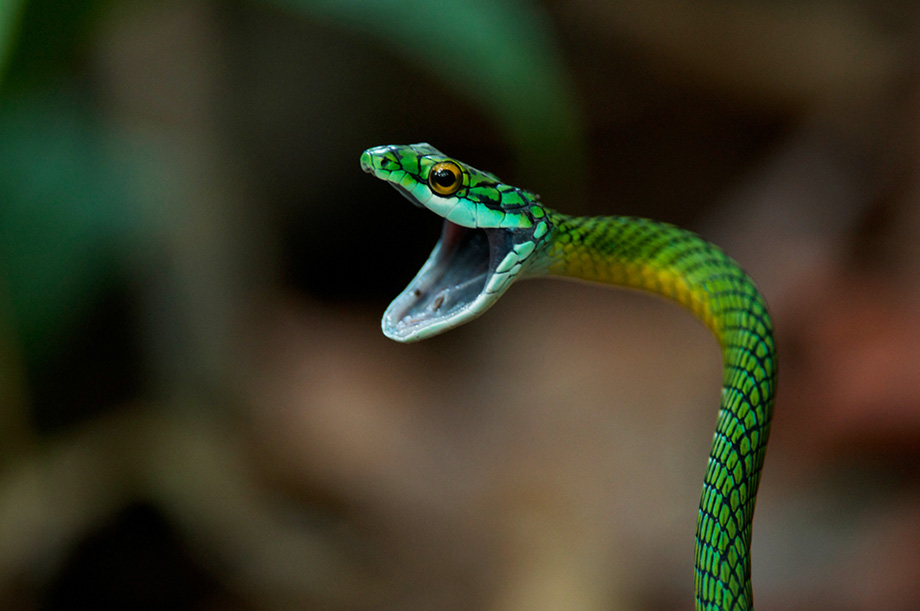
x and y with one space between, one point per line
681 266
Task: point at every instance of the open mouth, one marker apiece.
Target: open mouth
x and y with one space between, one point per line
452 281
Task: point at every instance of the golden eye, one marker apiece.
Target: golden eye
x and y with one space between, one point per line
445 178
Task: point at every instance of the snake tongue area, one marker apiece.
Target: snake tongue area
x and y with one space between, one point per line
450 289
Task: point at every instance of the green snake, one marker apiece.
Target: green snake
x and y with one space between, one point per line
495 233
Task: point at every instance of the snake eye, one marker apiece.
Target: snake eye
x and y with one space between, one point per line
445 178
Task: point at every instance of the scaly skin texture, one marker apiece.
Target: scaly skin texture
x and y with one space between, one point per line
531 240
680 265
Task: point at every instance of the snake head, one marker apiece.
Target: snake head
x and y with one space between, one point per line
491 232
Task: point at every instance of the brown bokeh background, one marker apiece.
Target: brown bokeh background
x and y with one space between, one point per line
197 407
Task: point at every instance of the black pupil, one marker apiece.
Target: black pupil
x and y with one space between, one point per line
444 178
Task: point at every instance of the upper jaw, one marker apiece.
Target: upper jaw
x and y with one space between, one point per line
405 193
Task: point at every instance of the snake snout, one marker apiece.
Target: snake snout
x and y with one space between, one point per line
366 164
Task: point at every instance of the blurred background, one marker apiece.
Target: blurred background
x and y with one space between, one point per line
197 407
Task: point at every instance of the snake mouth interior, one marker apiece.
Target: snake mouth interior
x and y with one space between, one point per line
449 285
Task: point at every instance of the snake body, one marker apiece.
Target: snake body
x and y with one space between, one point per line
495 233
